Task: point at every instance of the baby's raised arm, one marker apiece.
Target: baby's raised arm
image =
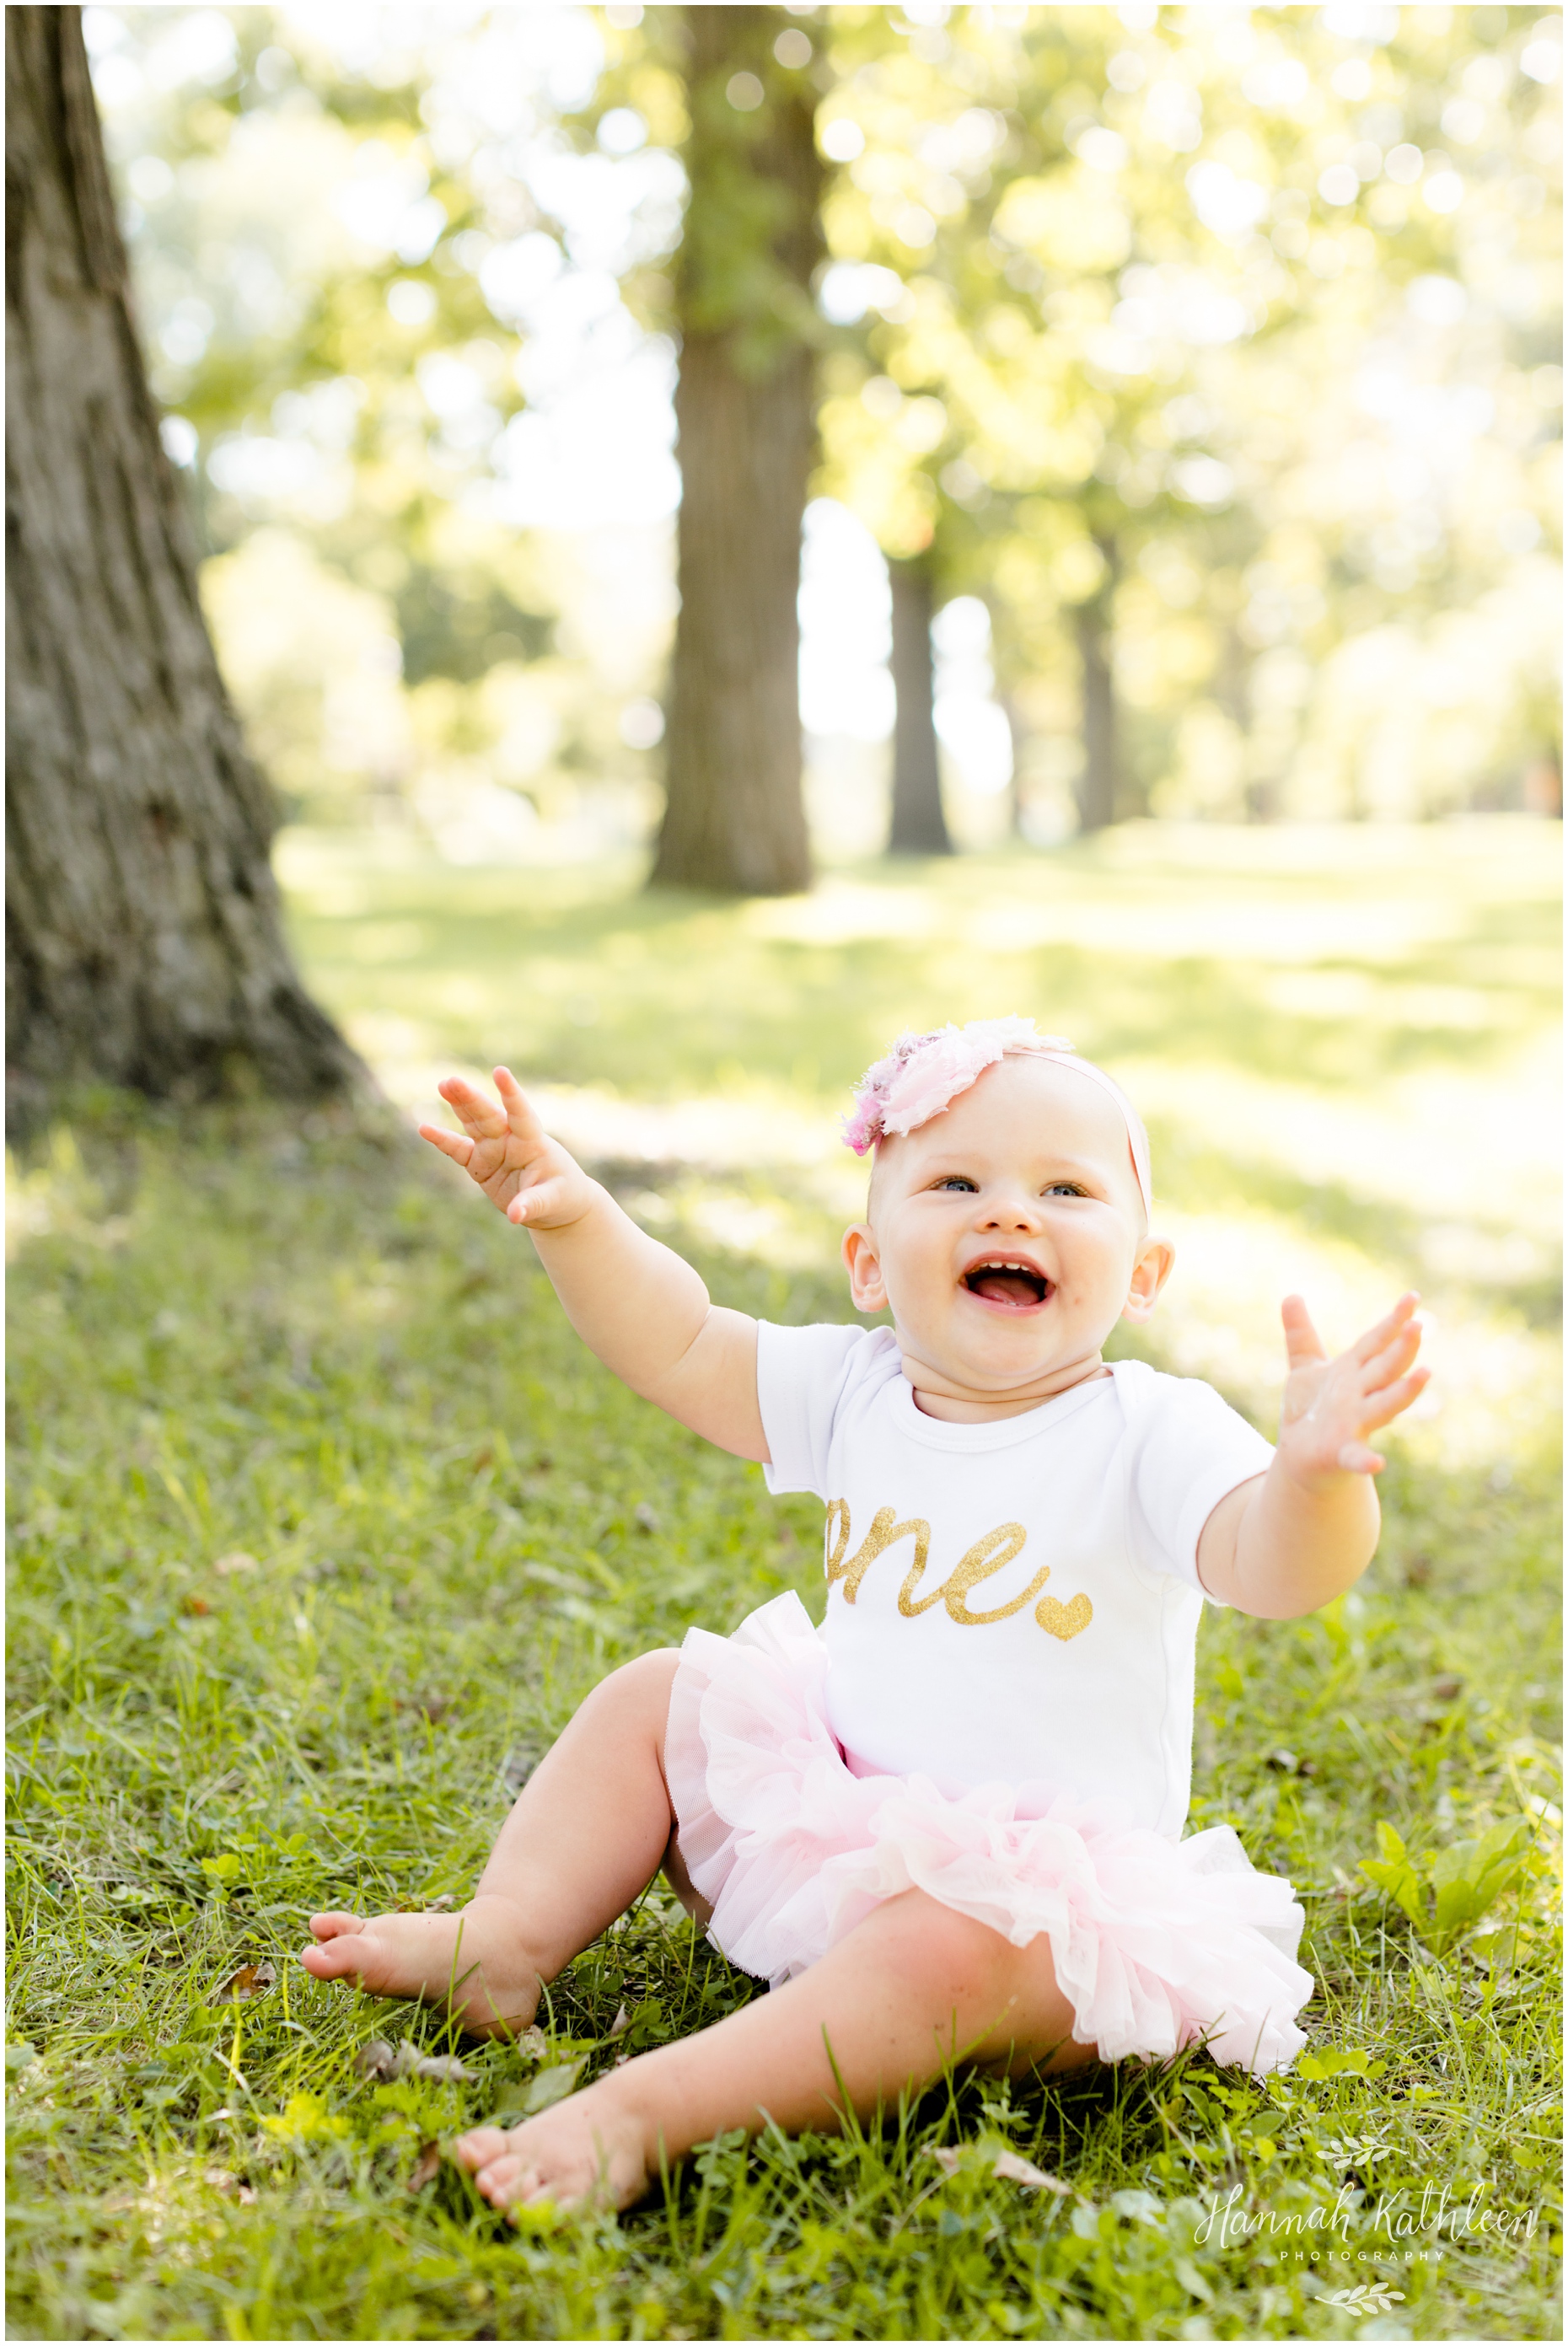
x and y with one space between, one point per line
642 1309
1288 1541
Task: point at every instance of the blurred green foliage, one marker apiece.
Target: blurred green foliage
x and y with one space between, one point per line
1235 329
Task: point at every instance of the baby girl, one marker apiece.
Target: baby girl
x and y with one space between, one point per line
937 1847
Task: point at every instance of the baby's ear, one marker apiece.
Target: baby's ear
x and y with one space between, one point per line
1150 1272
860 1252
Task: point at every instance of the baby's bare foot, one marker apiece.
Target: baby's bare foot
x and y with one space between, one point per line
477 1961
587 2150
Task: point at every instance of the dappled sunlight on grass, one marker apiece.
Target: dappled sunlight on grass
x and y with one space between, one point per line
1343 1040
325 1521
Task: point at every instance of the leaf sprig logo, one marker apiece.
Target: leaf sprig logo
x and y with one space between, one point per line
1369 2297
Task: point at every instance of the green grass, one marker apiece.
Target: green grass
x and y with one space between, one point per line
310 1347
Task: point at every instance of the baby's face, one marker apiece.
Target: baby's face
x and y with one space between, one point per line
1007 1234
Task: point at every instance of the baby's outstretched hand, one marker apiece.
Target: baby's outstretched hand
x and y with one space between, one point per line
1331 1407
507 1149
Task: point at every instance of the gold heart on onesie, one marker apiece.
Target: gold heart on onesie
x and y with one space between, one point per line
1065 1620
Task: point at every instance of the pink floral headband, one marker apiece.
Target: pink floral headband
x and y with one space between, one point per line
923 1074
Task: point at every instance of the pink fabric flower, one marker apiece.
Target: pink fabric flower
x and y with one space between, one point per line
924 1074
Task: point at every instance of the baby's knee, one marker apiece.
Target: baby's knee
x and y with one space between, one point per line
639 1689
929 1946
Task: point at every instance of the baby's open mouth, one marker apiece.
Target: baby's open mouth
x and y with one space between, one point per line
1017 1284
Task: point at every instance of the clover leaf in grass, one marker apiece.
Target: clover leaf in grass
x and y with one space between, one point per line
1339 2061
1444 1892
305 2118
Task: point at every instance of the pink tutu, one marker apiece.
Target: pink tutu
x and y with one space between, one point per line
1155 1943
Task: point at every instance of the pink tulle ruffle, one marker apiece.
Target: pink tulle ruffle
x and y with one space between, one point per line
1155 1943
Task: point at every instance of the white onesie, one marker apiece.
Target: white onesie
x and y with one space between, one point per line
1013 1602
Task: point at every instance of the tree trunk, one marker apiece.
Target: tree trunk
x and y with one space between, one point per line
919 825
735 818
1099 789
1018 734
144 943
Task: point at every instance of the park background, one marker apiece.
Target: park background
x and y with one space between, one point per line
1179 584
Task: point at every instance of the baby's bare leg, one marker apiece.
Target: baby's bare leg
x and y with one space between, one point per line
915 1987
589 1831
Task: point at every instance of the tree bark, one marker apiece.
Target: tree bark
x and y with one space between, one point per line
919 825
735 818
144 943
1099 789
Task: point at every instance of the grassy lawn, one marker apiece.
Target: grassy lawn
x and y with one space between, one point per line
324 1522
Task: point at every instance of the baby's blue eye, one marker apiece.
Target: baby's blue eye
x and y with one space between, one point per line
956 1182
1065 1189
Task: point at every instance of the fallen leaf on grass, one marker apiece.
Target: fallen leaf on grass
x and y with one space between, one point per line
426 2166
1013 2169
541 2093
221 2179
1008 2168
621 2023
236 1561
551 2085
384 2061
534 2044
250 1979
442 2069
196 1605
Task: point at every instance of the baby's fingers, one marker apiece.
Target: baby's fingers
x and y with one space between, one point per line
1393 1359
1303 1344
455 1144
539 1203
1377 1338
481 1118
1355 1458
1382 1407
520 1115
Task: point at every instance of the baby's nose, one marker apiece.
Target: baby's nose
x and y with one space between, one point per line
1013 1213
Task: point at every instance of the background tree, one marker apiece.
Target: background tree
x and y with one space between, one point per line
144 941
1126 290
1091 276
734 816
917 825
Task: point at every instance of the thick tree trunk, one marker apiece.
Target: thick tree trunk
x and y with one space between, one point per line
1099 791
735 818
918 826
144 941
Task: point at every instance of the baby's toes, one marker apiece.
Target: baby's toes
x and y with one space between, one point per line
480 2145
346 1956
333 1926
506 2181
